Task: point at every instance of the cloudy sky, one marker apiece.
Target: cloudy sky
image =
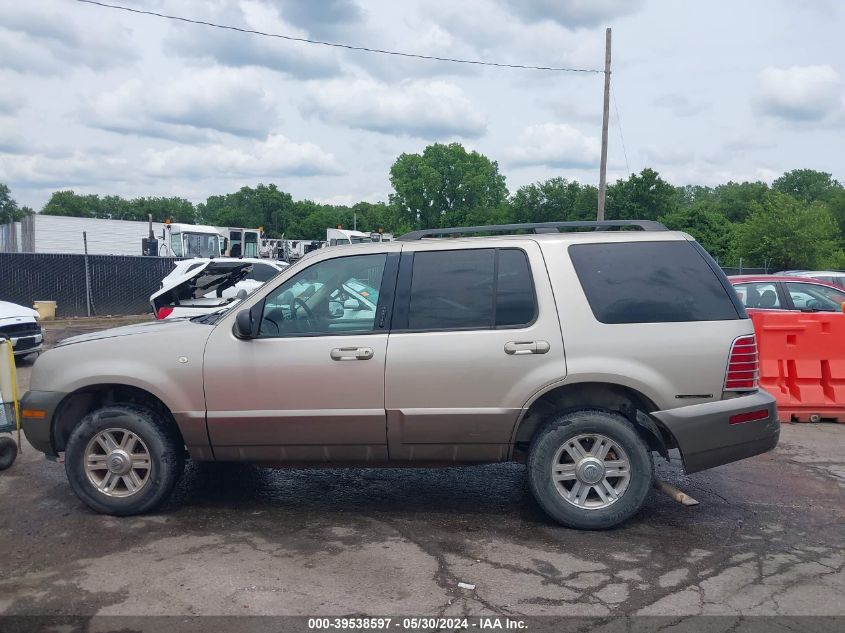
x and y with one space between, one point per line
104 101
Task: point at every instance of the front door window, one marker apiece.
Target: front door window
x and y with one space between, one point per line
335 296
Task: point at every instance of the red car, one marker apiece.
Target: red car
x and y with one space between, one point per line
772 292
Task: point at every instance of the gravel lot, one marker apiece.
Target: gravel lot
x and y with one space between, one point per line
767 539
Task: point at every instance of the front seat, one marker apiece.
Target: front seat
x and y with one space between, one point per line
752 297
768 299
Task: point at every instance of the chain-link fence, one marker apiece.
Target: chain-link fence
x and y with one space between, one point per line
95 285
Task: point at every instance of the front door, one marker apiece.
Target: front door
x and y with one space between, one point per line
475 334
310 386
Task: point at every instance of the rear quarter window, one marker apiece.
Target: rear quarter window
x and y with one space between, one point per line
650 282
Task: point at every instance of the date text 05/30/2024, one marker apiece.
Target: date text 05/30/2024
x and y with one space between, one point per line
415 624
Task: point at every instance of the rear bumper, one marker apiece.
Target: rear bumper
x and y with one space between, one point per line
38 430
706 438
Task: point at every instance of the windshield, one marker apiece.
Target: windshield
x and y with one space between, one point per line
201 245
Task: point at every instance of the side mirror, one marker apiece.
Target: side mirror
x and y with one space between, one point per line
335 309
843 306
352 304
247 322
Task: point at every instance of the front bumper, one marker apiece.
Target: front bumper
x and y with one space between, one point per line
23 345
38 429
706 438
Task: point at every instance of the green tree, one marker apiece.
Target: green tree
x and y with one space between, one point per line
373 216
313 219
783 232
9 211
643 196
712 230
251 207
446 186
807 185
736 200
175 209
69 203
554 200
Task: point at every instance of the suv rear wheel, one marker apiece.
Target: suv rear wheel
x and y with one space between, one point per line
589 469
123 459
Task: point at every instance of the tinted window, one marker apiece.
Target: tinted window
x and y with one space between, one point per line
762 296
514 289
650 282
456 290
262 272
452 289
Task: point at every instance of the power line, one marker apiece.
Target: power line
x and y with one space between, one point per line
619 125
350 47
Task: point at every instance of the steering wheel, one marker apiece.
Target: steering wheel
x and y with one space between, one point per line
309 315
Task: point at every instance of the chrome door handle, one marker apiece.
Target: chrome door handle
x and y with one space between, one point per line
352 353
527 347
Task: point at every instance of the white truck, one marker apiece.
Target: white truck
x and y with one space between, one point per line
338 237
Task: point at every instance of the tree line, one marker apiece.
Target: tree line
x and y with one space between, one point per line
796 222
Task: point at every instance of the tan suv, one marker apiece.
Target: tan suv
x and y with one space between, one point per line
578 352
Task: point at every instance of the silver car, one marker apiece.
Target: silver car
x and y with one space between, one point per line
580 353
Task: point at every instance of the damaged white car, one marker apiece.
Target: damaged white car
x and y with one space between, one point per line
202 286
20 325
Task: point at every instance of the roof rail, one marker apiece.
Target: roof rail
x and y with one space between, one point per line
536 227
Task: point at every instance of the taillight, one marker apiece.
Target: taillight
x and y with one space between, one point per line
163 313
743 371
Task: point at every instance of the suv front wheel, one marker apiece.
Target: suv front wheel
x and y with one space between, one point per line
589 469
123 459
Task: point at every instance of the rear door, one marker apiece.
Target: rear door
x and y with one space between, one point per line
474 335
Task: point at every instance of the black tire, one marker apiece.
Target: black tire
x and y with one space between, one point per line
166 457
560 430
8 452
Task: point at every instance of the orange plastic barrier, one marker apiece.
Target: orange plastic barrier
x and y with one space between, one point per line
802 363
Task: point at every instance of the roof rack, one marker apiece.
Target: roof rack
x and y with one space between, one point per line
536 227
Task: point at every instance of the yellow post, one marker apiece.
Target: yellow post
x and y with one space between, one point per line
10 377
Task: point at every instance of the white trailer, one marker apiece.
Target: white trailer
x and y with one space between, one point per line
61 234
38 233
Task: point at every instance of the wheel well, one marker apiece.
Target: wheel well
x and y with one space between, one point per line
594 395
81 402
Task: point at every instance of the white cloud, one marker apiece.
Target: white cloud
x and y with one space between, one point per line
10 103
187 107
680 104
274 158
429 109
60 172
37 37
800 93
555 145
323 18
574 13
662 156
238 50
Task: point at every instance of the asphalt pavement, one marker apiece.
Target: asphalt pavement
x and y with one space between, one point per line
766 539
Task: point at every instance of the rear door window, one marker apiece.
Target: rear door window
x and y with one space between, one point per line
759 295
650 282
470 289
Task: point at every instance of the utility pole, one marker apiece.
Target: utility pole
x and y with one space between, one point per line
605 116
